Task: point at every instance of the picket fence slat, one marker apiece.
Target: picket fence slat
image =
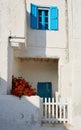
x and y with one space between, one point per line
64 113
55 111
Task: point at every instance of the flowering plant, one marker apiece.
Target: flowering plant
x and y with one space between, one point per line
21 87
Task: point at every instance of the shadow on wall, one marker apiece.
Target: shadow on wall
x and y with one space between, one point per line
3 86
22 114
10 66
19 114
35 39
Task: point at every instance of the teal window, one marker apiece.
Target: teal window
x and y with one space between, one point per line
44 18
44 90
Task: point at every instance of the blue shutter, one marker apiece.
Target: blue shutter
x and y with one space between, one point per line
34 13
44 89
53 21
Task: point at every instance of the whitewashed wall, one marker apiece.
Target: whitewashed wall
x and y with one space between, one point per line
54 39
4 32
49 43
17 18
64 44
75 53
10 12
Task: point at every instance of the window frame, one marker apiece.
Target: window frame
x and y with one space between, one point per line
52 17
43 16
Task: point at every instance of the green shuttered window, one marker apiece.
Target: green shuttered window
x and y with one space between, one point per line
44 18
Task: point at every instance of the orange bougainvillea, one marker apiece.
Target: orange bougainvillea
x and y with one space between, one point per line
21 87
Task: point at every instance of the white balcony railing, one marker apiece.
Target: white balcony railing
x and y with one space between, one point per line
56 111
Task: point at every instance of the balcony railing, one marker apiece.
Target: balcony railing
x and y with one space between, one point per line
56 111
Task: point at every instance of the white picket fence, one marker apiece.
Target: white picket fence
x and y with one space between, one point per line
56 111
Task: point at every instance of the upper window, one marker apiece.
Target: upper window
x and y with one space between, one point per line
44 18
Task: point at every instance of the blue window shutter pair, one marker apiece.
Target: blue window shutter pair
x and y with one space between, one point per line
53 21
53 17
34 12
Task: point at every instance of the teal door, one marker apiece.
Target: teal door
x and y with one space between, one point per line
44 89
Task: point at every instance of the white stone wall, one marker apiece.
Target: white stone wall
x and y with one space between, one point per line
75 53
49 43
17 17
46 39
10 12
4 32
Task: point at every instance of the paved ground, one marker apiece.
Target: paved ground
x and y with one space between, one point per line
12 125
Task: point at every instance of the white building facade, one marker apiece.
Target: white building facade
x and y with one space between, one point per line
42 54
